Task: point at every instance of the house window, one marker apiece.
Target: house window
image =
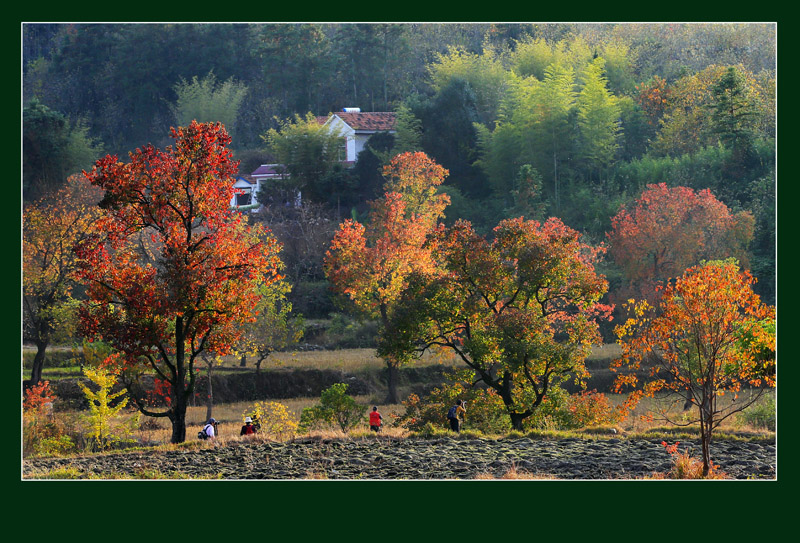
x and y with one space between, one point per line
243 199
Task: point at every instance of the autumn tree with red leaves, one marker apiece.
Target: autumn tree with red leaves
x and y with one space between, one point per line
176 271
667 230
369 263
520 309
711 336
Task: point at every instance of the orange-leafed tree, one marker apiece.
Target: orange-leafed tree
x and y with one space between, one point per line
667 230
175 272
369 263
653 97
711 336
50 228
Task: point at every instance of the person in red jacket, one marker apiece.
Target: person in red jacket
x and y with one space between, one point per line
248 429
375 420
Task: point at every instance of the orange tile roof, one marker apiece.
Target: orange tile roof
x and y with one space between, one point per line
374 121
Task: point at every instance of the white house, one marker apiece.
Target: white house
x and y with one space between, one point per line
242 192
357 126
353 124
246 187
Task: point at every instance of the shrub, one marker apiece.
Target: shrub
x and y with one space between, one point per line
45 435
42 433
345 332
336 407
272 419
54 446
590 408
485 411
684 466
563 411
104 433
37 397
92 353
551 414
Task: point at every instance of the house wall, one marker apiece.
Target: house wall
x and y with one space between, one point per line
253 189
352 144
360 141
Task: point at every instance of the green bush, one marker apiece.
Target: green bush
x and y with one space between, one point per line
335 408
347 333
563 411
54 446
485 410
551 414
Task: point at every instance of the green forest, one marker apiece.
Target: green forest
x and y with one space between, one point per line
575 121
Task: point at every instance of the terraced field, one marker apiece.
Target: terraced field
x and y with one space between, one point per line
390 458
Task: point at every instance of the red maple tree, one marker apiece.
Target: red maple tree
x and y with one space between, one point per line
667 230
175 271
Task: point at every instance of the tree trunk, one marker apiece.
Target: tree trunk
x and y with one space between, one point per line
516 421
178 414
243 361
705 433
210 398
38 363
504 387
705 440
179 393
391 366
391 382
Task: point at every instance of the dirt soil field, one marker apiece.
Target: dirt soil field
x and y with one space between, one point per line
390 458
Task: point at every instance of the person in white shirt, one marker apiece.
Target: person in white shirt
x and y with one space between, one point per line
210 428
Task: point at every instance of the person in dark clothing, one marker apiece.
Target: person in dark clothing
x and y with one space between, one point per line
456 415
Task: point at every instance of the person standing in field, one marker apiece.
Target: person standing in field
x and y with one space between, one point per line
456 415
375 420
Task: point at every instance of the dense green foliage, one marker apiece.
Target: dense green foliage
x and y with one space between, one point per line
53 148
538 120
335 409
